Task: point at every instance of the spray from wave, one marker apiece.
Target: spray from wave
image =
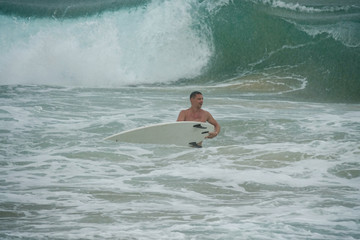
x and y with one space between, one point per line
158 43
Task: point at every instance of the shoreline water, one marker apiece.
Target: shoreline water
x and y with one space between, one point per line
281 78
276 167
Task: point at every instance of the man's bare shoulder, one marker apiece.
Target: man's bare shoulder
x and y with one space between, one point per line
206 113
182 115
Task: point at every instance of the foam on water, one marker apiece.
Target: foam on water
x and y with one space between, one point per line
285 165
279 169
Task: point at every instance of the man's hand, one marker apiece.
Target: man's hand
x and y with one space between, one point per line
212 135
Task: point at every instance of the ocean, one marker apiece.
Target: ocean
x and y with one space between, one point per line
282 78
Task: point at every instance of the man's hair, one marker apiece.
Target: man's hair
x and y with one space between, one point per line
193 94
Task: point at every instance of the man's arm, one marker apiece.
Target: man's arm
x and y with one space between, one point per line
212 121
181 116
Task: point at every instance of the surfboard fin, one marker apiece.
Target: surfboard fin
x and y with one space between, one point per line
199 126
195 145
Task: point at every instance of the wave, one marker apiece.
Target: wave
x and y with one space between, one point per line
64 8
153 44
303 49
251 37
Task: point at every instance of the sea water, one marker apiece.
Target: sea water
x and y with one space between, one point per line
281 78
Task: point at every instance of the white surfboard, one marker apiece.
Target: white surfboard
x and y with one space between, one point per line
184 133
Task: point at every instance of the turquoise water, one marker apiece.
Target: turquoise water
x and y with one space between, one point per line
281 78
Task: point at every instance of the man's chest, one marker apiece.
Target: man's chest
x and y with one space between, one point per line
197 116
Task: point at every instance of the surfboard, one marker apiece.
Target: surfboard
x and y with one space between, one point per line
184 133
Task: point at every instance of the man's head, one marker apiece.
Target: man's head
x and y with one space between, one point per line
193 94
196 99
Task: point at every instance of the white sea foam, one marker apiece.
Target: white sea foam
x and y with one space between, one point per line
306 7
158 43
275 168
279 169
344 32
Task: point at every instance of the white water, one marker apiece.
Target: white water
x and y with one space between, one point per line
160 43
278 170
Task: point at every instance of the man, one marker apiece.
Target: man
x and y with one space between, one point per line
195 113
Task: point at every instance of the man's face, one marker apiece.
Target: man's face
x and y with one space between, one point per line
197 101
